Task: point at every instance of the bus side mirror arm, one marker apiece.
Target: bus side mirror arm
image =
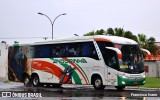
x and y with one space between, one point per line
148 52
119 53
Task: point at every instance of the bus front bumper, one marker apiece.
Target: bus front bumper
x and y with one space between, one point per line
130 82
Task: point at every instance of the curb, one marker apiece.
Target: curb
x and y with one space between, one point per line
142 88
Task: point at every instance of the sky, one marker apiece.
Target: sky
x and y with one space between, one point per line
20 21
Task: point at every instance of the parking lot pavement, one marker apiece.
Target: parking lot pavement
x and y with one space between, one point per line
9 85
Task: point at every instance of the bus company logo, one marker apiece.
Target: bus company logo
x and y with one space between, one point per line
63 61
6 94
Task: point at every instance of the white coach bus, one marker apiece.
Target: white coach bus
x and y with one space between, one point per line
89 60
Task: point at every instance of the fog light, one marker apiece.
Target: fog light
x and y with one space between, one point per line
123 82
143 82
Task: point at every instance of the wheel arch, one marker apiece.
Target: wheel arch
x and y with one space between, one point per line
35 74
97 75
24 75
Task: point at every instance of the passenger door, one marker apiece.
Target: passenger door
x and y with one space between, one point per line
111 61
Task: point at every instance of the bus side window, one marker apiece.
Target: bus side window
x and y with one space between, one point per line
85 49
42 51
73 50
88 50
53 51
93 52
58 50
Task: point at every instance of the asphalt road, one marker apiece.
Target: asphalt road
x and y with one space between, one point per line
17 90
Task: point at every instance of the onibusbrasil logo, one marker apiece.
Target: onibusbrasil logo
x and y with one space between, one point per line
21 95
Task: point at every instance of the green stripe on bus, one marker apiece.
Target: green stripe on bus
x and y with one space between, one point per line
83 72
74 75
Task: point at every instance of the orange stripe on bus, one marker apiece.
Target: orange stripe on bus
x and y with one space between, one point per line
120 56
101 39
48 67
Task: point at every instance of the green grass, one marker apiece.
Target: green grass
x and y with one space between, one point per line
151 83
7 81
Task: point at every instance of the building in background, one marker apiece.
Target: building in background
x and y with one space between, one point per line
152 64
3 61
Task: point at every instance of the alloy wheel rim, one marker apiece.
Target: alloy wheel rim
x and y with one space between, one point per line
26 81
97 82
35 81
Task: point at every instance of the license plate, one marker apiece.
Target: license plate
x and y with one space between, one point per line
135 83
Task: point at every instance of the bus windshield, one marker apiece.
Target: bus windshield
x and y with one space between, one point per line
132 59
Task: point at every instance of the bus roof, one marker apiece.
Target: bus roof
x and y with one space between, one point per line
114 39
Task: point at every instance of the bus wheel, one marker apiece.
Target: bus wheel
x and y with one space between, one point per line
120 88
26 81
35 80
98 84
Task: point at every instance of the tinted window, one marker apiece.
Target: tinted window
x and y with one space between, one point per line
84 49
111 58
58 50
79 49
102 45
43 51
73 50
88 50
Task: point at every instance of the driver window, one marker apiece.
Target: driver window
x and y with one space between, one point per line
111 59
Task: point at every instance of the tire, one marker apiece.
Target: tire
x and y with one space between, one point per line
98 84
26 81
120 88
35 81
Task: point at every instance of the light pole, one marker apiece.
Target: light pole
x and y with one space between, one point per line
52 23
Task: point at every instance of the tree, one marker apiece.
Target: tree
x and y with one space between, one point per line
98 32
89 34
115 32
142 39
148 44
110 31
128 34
119 32
134 37
151 46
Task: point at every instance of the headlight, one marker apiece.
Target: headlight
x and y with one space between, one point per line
123 76
143 75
